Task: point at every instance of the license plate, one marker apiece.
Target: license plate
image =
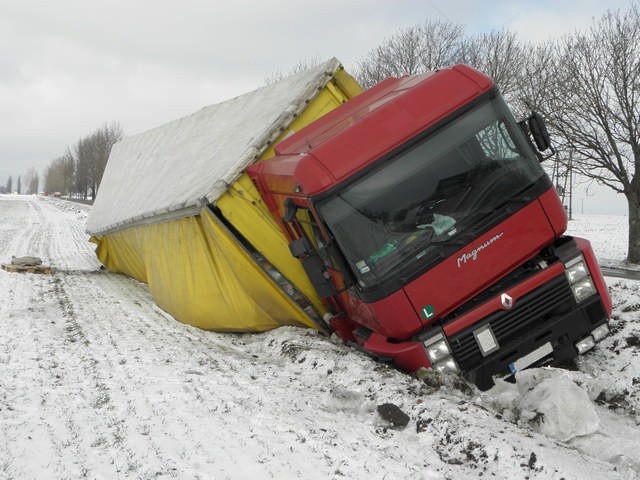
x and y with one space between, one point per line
531 358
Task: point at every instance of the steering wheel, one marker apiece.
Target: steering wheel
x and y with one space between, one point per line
424 212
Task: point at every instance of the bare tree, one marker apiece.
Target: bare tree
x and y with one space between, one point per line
415 49
19 187
82 161
27 180
498 54
60 174
537 84
31 181
92 153
34 185
9 184
537 80
80 172
67 169
104 139
434 45
596 107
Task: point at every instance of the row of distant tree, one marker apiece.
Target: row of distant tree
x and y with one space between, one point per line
30 184
77 173
79 170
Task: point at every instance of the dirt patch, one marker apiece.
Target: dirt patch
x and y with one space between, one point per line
631 308
633 341
618 401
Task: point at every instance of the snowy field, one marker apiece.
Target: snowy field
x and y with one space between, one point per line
607 234
96 382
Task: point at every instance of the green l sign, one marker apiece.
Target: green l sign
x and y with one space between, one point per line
428 312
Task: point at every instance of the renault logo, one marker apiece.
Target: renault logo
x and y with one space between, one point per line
506 300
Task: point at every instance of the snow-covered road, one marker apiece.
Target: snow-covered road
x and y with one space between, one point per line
97 382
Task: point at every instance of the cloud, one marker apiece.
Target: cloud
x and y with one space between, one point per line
66 68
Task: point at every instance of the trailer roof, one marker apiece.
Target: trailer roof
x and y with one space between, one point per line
173 170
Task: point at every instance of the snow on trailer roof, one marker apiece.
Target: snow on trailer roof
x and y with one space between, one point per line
173 170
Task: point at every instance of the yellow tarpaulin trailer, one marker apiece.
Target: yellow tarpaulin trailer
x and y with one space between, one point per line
176 211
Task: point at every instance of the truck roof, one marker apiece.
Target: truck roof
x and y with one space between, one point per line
172 170
367 127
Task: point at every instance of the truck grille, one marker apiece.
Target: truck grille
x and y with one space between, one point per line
530 312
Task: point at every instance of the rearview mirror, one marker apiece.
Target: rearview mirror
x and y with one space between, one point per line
539 131
290 209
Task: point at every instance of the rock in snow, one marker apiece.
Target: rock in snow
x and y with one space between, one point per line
392 414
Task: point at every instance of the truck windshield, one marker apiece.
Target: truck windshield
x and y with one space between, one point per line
440 191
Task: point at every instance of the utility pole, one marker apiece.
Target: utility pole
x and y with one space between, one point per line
570 173
562 178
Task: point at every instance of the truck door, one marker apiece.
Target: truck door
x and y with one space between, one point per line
308 244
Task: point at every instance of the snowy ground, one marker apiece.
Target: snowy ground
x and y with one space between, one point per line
97 382
607 234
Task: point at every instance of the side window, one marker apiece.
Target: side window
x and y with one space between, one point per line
496 142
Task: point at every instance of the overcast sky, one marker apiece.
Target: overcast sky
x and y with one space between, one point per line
68 67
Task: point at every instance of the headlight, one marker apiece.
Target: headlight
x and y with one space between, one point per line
577 271
438 351
583 289
579 278
439 354
447 366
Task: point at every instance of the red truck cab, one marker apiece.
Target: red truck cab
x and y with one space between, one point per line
421 213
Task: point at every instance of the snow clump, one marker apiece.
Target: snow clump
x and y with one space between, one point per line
549 401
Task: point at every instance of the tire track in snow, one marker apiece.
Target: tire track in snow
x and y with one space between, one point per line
40 418
109 336
56 343
45 231
127 341
18 238
156 364
66 244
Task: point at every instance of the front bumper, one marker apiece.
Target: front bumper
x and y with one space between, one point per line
547 321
